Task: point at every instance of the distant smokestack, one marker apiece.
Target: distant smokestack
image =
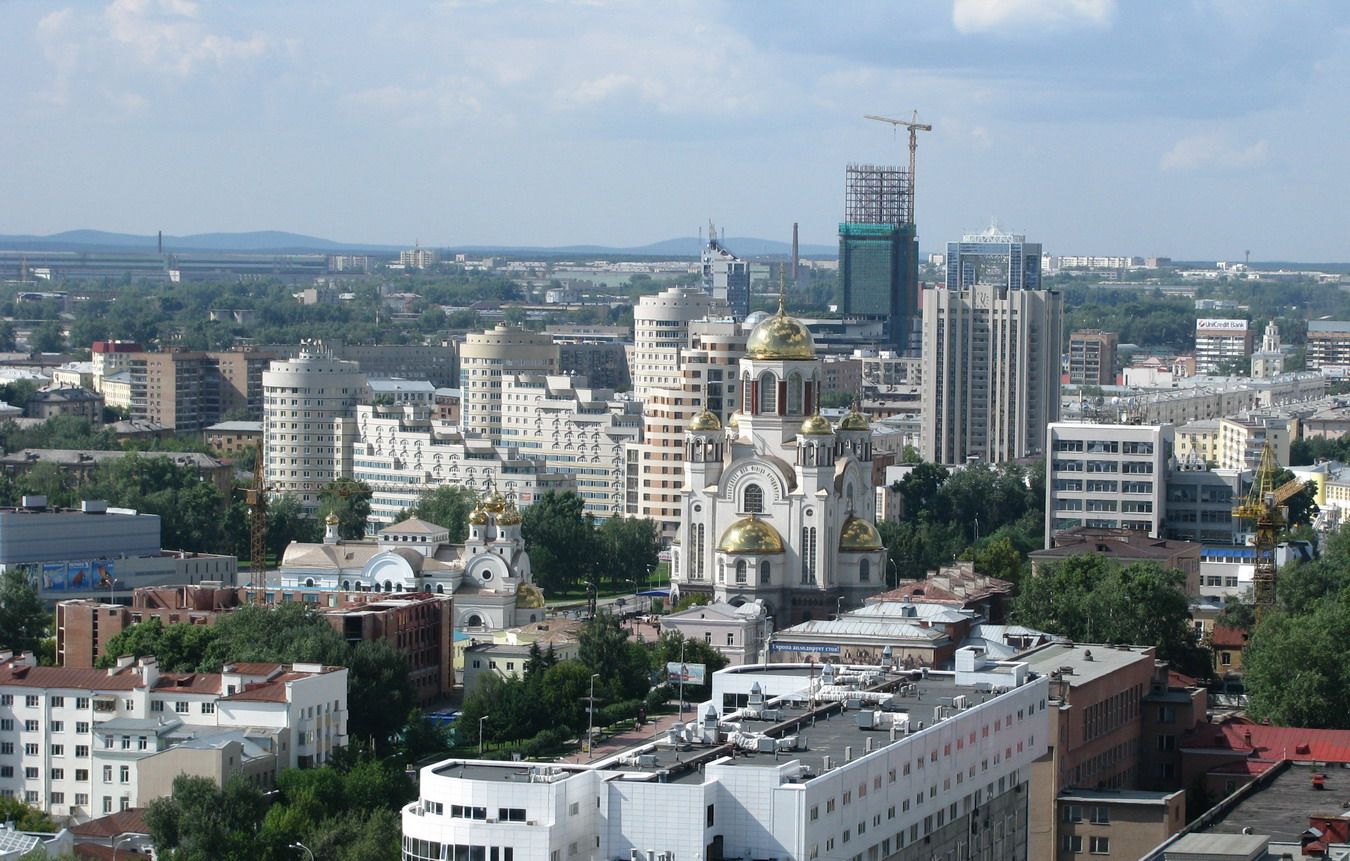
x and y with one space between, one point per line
795 258
160 243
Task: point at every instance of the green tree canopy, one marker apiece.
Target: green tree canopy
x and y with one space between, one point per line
628 548
448 506
560 538
1294 665
23 616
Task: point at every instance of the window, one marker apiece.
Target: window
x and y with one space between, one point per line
765 573
30 749
768 394
31 701
1073 813
1101 815
1226 658
1166 743
58 750
1099 845
158 705
82 702
30 773
710 817
208 708
6 699
82 775
107 774
124 774
753 499
740 570
181 707
81 799
58 774
1073 843
57 726
58 702
731 639
30 726
864 570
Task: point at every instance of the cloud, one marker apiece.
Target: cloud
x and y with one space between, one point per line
1212 151
167 35
979 16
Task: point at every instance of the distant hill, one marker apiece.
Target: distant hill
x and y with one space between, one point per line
281 242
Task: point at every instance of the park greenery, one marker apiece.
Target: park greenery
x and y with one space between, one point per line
544 708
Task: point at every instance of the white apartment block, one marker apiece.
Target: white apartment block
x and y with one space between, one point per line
400 452
991 374
85 743
308 428
1220 340
822 763
485 359
1108 476
1198 398
1328 344
575 431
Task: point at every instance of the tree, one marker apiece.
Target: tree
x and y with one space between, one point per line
560 538
350 501
1294 666
447 506
24 817
379 694
628 549
286 522
199 821
603 645
23 616
674 647
286 633
178 648
47 337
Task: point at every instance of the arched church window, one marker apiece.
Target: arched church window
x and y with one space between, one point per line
740 570
768 394
754 499
747 395
794 395
764 573
864 570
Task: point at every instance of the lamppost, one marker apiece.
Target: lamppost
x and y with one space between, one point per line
480 734
895 568
298 845
683 673
839 608
119 841
590 719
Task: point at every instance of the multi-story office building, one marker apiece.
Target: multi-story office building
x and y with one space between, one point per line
603 363
83 743
400 453
1092 358
943 774
417 258
726 276
1106 476
991 375
486 358
1220 342
109 357
1242 438
188 391
576 431
309 423
1328 344
1200 504
994 257
879 250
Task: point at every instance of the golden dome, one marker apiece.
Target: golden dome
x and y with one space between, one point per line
859 535
705 421
817 425
496 503
855 421
331 519
750 535
509 517
478 517
780 337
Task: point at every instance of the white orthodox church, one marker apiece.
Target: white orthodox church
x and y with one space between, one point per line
779 508
488 575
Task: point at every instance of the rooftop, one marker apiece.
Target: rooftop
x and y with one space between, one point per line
1121 543
1085 662
1280 808
235 427
1272 742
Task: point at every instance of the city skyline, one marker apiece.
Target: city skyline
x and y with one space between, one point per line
1192 131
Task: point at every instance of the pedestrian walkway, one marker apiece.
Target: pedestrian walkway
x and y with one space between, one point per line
633 737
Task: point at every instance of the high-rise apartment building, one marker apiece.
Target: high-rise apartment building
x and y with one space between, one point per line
991 359
309 423
678 381
188 390
1106 476
1328 344
576 431
726 276
994 257
485 359
879 250
1092 358
1220 342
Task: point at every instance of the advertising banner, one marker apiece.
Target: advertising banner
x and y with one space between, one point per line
690 674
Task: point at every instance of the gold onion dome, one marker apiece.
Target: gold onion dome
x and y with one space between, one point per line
331 519
750 535
780 337
705 421
496 503
855 421
817 425
859 535
478 517
510 517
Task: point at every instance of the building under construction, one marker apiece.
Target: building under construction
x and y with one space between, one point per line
879 249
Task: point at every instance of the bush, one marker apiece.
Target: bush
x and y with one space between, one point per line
547 741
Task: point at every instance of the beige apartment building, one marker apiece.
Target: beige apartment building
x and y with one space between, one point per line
486 359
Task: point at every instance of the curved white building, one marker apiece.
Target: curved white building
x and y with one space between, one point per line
485 358
309 425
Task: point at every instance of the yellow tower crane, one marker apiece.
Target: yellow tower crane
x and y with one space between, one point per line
1264 506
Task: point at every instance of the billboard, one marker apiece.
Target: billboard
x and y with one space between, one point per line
690 674
818 648
1214 324
77 576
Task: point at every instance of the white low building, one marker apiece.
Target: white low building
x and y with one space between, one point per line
737 633
846 763
85 743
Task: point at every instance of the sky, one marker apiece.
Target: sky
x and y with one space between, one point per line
1183 128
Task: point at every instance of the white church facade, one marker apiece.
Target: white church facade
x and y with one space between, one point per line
779 508
488 575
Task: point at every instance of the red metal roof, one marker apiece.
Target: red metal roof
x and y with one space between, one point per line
69 678
1228 638
1272 742
129 821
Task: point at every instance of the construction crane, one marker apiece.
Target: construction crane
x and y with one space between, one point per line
914 127
1264 506
255 497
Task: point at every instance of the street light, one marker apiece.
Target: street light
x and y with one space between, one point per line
119 841
480 734
298 845
590 719
896 568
